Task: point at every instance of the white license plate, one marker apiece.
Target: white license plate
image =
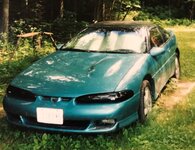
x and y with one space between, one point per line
50 115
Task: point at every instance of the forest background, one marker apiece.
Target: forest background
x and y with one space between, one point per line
66 17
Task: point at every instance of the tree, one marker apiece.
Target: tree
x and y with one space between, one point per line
5 20
130 5
192 9
61 8
98 10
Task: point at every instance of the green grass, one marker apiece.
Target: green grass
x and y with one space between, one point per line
186 42
165 129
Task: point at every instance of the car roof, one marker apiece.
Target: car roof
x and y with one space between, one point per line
122 24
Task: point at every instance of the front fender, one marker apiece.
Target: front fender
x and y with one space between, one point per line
135 75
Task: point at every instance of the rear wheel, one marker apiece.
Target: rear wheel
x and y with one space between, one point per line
177 68
145 105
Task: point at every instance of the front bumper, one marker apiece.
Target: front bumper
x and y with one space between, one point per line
86 118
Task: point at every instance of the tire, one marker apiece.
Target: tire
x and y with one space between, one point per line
145 105
177 71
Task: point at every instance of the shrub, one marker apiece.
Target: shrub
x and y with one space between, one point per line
163 15
66 27
63 28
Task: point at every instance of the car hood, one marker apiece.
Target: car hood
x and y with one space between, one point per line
67 73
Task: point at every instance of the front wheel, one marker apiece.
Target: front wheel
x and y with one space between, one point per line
145 105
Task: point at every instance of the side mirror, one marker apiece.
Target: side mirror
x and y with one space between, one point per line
157 51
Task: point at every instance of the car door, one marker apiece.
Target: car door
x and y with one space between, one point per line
161 62
171 46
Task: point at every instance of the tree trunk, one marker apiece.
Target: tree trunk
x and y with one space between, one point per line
5 20
95 13
118 16
103 10
127 12
51 10
27 9
143 3
98 11
192 10
61 8
111 9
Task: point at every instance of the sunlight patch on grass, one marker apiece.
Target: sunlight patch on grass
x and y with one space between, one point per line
193 45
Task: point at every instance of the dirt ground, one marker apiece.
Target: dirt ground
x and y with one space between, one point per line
182 90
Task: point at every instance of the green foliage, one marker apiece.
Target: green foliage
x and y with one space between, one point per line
157 12
122 6
163 15
3 41
185 22
66 27
63 28
15 60
22 26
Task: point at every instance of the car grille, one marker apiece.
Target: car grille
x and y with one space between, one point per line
54 99
68 124
20 94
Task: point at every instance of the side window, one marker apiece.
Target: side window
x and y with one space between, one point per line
156 38
165 34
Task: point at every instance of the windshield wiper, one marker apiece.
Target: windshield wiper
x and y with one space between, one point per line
121 51
126 51
73 49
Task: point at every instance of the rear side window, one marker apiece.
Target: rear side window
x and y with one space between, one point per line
156 38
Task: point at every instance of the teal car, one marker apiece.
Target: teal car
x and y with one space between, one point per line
103 79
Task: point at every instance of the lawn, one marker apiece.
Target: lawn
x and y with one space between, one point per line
186 42
165 129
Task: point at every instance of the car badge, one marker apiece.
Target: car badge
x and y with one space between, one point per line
55 99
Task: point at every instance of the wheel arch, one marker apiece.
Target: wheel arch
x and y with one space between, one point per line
177 52
177 73
148 77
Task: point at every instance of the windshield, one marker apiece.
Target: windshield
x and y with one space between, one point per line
104 40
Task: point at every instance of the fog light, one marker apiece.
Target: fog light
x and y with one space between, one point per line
108 121
103 124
